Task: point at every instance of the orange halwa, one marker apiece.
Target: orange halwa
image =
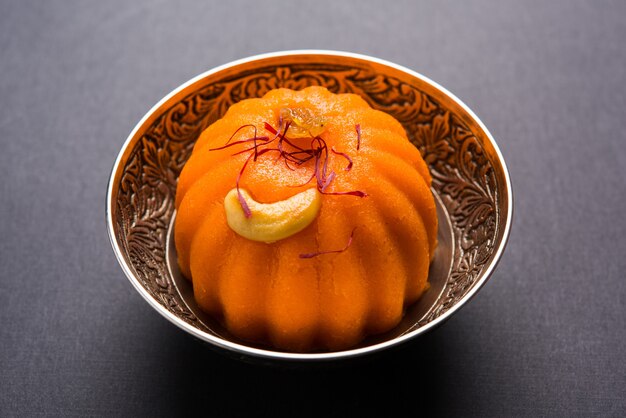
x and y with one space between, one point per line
295 294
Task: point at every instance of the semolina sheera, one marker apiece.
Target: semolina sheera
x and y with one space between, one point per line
357 263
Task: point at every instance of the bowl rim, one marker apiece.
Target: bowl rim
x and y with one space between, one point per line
245 350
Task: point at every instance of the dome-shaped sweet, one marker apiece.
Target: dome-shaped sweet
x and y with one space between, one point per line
355 267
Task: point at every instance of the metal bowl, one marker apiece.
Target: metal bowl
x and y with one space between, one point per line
470 182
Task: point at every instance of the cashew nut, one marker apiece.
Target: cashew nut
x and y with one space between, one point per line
271 222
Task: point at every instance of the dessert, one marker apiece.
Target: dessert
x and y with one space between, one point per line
305 220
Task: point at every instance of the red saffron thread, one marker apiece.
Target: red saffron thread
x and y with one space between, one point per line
358 135
315 254
244 205
243 141
318 152
346 156
270 128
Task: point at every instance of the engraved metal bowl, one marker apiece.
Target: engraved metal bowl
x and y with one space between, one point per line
470 182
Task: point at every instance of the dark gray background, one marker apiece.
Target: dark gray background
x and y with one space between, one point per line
546 335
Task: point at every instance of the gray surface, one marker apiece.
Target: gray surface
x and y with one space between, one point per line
545 337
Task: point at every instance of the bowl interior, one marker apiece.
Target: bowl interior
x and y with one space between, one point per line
470 183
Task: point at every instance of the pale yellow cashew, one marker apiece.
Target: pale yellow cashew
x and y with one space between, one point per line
270 222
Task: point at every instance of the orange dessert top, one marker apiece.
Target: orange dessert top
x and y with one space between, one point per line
305 220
